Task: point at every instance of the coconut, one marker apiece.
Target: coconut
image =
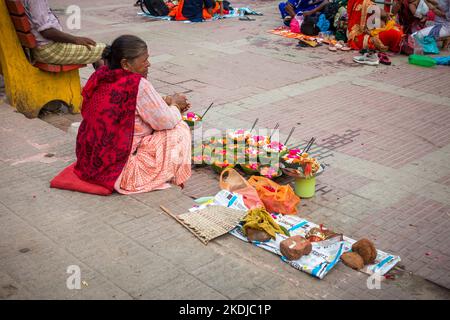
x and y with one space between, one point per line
353 260
366 249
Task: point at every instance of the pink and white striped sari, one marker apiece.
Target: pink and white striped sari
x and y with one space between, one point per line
161 151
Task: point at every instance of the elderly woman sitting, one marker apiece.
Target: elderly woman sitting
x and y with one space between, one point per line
131 139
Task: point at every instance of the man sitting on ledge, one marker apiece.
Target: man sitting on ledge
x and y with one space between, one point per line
55 46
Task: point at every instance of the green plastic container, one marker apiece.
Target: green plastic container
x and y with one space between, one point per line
420 60
305 188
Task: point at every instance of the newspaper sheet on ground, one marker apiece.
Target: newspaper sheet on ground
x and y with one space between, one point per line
324 255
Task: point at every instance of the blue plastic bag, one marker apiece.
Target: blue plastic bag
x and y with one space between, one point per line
445 61
428 43
323 23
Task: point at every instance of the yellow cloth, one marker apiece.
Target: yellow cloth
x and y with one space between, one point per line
260 219
389 25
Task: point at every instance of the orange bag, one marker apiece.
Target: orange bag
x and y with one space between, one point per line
234 182
276 198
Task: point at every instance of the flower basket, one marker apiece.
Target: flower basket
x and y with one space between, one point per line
270 171
239 136
192 119
220 166
251 170
298 173
275 148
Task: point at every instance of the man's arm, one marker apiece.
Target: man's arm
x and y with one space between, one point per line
38 11
59 36
318 9
290 10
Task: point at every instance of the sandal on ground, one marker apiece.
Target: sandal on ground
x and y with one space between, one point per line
343 46
302 44
384 59
332 48
246 18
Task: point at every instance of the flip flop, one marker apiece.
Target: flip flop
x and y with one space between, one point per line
332 48
341 45
345 48
246 18
384 59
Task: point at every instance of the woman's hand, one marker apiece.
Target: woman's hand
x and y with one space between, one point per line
168 100
181 101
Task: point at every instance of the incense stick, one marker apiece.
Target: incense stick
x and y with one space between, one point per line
207 109
310 145
307 145
273 131
289 136
254 124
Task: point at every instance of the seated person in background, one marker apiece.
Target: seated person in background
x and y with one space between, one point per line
55 46
291 8
441 28
409 18
340 22
387 37
316 9
195 10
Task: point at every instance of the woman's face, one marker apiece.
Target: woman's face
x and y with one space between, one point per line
138 65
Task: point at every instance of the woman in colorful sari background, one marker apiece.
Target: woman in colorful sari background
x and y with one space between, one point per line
387 36
131 139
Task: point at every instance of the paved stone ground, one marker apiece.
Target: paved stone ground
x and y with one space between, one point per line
383 132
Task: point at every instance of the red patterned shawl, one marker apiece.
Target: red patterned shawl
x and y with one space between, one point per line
106 133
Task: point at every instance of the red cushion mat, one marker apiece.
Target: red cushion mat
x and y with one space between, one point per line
68 180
